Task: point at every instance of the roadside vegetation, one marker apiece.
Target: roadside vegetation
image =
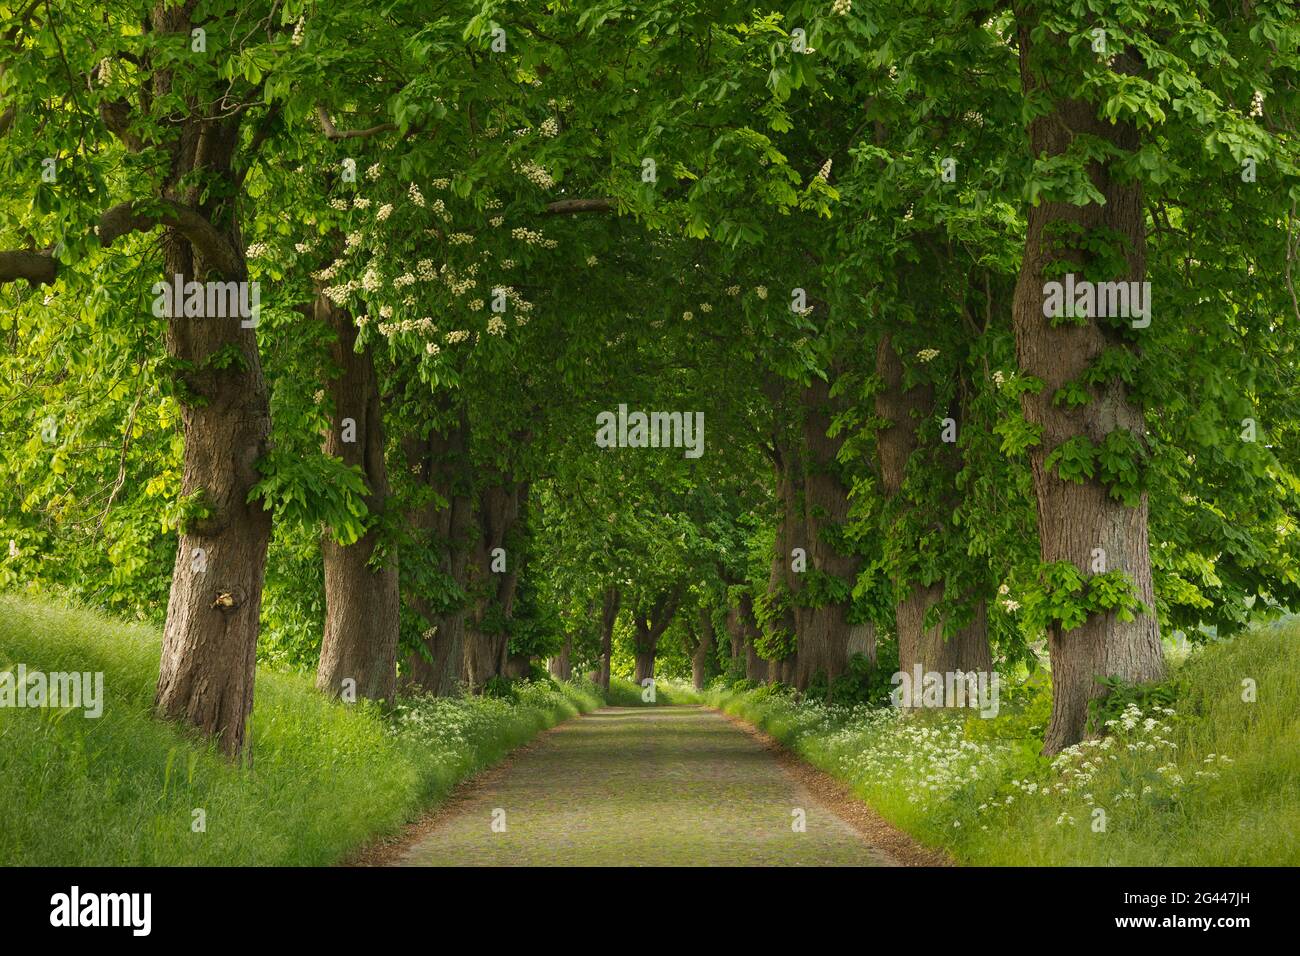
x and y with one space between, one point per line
1198 770
128 790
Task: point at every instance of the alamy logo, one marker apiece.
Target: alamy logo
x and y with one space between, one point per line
208 300
103 909
656 430
59 690
975 689
1098 300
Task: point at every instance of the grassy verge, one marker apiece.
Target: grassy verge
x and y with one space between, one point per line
624 693
1208 781
123 789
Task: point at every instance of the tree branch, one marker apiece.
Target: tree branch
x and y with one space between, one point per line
38 268
212 246
568 207
333 133
41 267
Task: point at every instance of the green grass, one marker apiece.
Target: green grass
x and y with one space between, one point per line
978 788
624 693
326 777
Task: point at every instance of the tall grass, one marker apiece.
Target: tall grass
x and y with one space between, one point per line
1210 781
122 789
668 692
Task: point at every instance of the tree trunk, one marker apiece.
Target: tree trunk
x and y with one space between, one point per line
650 626
862 640
901 408
210 637
702 658
824 637
559 665
743 630
1076 519
967 649
645 665
517 666
608 617
361 602
487 640
443 459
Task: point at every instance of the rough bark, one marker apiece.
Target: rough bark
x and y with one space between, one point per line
486 639
1074 518
443 460
824 636
361 602
862 640
210 636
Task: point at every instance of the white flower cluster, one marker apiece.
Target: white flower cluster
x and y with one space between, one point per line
338 294
550 127
456 337
299 31
842 8
535 174
327 274
458 285
533 237
927 355
256 251
424 325
414 194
